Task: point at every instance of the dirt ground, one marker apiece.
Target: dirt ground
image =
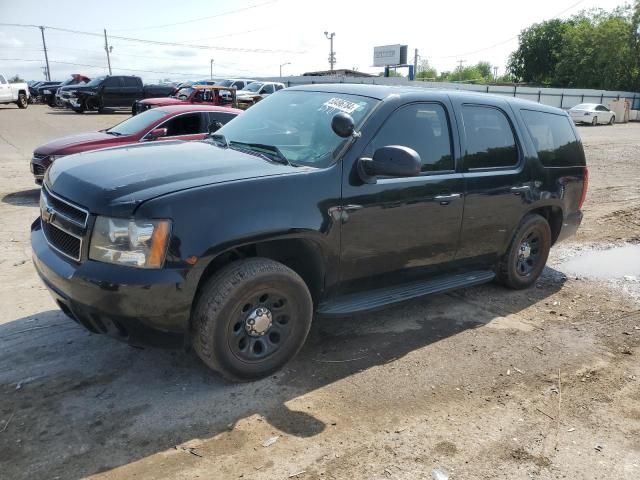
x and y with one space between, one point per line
483 383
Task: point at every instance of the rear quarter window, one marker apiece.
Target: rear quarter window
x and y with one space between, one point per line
554 139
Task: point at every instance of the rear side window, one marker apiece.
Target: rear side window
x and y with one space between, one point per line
490 140
554 139
424 128
222 117
130 82
112 82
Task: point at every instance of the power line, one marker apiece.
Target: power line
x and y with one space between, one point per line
158 42
198 19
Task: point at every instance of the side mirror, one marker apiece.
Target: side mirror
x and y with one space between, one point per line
214 127
157 133
390 161
342 125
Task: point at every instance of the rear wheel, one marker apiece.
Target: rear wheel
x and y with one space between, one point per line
251 318
22 101
594 121
612 120
527 255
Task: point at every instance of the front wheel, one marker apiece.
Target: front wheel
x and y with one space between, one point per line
527 255
594 121
22 101
251 318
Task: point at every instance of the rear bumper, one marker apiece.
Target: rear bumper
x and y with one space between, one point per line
133 305
570 225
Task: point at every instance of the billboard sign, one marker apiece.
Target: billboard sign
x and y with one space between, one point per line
389 55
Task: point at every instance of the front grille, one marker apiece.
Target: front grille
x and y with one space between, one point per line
66 209
39 156
62 241
38 169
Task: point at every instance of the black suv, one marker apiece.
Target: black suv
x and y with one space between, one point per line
326 200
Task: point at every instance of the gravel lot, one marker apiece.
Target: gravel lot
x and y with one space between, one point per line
483 383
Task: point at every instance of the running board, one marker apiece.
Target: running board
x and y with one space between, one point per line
376 299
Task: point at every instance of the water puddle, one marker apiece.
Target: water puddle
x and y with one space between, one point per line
618 263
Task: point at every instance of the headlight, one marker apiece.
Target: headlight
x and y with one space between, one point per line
53 158
135 243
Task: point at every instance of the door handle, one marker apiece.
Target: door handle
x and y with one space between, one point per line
445 199
351 208
521 189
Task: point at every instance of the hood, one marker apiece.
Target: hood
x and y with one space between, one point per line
115 181
164 101
75 86
83 142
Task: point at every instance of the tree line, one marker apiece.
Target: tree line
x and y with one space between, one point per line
593 49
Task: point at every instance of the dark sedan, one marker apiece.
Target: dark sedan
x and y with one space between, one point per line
179 122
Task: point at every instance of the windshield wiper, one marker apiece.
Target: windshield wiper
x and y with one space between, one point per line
111 132
272 152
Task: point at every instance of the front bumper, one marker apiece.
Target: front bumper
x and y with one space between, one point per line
139 306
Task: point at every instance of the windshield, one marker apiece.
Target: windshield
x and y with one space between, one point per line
253 87
68 81
226 83
135 124
96 81
297 123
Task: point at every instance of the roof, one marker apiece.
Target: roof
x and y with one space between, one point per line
342 72
211 87
380 92
195 107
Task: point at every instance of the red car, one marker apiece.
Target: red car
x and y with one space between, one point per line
191 95
177 122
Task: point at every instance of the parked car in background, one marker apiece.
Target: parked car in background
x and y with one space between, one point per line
47 93
114 91
17 93
592 113
196 94
237 83
322 199
33 89
178 122
256 91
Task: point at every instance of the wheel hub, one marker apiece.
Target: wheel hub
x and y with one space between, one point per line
258 322
525 250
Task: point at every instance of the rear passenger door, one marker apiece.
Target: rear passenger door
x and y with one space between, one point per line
495 180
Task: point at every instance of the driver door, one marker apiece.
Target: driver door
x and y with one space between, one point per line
400 227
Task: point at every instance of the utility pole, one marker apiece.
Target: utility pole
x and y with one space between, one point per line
46 57
415 62
332 54
460 62
211 65
106 49
282 65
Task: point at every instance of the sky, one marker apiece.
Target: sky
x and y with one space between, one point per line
252 38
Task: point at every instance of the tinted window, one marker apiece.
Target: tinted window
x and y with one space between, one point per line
220 117
490 140
279 87
602 108
423 127
188 124
112 82
2 80
554 139
268 89
130 82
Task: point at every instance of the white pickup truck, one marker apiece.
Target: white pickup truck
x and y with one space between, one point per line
17 93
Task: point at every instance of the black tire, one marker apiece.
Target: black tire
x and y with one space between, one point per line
81 108
228 302
612 120
22 101
594 121
533 239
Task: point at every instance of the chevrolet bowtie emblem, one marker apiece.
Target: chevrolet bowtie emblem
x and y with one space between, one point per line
48 214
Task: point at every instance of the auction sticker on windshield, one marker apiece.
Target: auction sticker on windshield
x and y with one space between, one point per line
339 104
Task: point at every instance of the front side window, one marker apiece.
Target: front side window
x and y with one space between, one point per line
268 89
553 138
297 123
424 127
188 124
96 81
490 142
112 82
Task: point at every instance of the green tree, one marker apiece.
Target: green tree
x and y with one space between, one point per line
426 71
538 52
16 79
